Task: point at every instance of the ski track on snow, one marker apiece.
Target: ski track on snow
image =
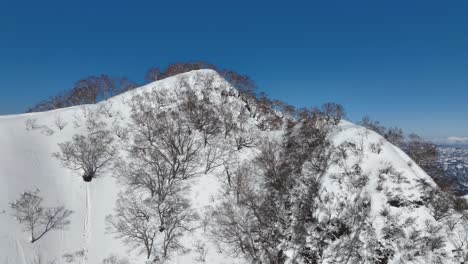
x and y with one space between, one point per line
86 226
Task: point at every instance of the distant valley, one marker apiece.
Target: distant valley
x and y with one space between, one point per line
453 160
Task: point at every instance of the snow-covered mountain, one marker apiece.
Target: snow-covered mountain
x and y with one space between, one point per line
373 204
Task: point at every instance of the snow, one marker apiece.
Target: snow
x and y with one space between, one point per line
26 163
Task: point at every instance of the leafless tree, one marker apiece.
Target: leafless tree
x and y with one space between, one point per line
243 83
440 204
60 123
215 156
202 113
247 221
105 109
244 140
242 136
181 67
433 240
228 121
88 90
151 222
90 153
162 156
153 74
134 222
459 237
39 220
176 217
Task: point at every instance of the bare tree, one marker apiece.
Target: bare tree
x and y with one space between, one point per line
150 223
162 156
243 83
247 221
163 153
90 153
39 220
60 123
434 240
181 67
134 222
242 137
202 113
244 140
153 74
440 204
215 155
88 90
459 237
176 217
228 121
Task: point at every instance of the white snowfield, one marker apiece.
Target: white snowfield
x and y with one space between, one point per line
27 142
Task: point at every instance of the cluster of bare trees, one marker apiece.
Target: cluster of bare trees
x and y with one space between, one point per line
202 114
272 199
447 209
394 135
153 212
96 88
443 201
89 90
171 143
155 73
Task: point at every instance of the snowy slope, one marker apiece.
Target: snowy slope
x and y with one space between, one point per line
26 163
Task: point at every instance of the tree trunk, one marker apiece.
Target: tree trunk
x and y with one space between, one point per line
87 178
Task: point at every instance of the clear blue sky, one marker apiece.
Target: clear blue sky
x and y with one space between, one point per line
404 63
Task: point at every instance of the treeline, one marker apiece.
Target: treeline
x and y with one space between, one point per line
95 88
89 90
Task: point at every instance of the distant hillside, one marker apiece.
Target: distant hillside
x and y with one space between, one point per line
454 161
